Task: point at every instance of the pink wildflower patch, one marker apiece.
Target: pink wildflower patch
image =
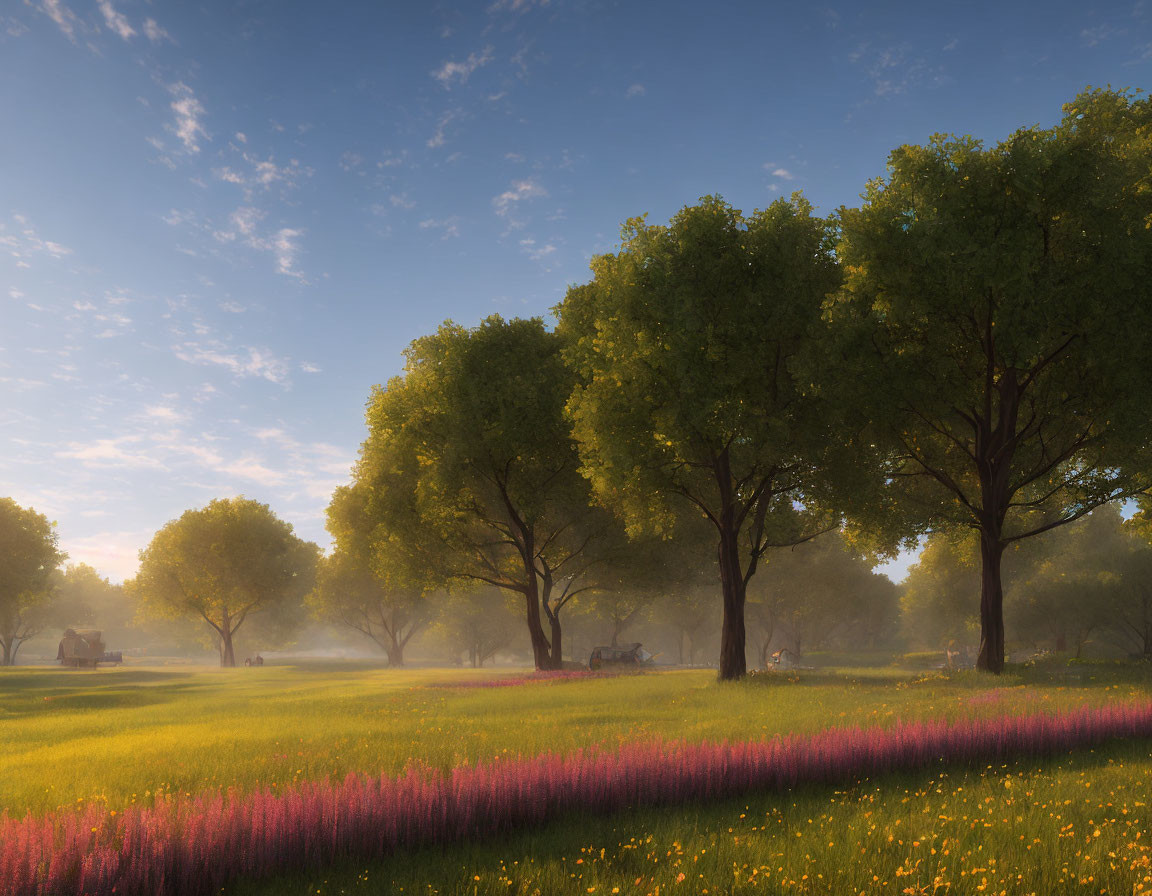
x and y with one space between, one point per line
199 845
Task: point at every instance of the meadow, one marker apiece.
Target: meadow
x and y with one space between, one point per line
107 741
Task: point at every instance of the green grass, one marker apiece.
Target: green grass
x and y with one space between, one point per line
124 735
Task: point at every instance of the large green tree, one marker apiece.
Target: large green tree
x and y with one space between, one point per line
29 554
994 318
491 489
689 345
223 564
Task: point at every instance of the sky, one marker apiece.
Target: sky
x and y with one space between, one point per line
222 223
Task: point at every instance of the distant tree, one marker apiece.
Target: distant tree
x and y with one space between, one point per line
993 321
1073 586
1131 606
822 591
84 597
478 422
223 564
350 593
692 612
29 555
936 605
689 346
625 588
477 623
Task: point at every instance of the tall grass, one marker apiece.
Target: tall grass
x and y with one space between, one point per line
198 845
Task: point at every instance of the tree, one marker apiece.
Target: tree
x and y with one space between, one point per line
29 554
823 591
84 597
491 484
1131 606
479 623
349 592
687 345
224 563
993 318
1072 584
692 612
936 606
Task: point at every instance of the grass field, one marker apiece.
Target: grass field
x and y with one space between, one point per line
124 735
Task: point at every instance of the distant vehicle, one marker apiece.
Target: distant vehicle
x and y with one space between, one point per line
114 658
80 648
630 655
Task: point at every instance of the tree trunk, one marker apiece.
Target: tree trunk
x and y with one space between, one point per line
1062 643
395 654
557 641
541 654
9 655
227 652
680 649
991 658
733 661
473 656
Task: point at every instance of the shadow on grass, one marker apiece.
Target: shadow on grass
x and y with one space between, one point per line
33 691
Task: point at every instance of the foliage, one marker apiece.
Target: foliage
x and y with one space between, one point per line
30 555
477 421
820 593
686 345
1075 586
993 320
477 623
349 592
222 564
937 607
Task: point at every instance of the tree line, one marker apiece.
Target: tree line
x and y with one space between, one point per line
965 351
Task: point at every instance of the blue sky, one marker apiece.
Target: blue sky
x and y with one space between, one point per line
221 223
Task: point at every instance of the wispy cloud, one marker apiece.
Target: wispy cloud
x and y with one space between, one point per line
448 227
250 362
1095 36
284 243
459 72
782 173
262 174
189 126
635 90
893 71
521 190
155 32
111 453
535 251
515 6
115 20
440 136
64 18
23 241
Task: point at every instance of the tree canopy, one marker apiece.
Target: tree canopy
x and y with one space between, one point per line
993 322
492 486
223 564
29 555
687 345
